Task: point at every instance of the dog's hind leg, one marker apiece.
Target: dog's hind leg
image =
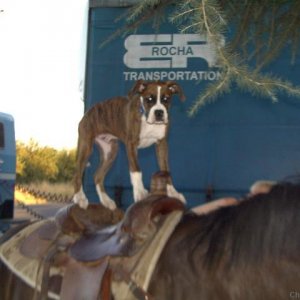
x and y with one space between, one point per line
84 150
109 148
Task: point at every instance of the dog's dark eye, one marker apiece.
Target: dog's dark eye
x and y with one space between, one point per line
150 99
164 99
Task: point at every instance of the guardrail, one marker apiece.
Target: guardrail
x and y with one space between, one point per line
42 198
49 197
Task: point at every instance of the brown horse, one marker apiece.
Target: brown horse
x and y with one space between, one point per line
249 251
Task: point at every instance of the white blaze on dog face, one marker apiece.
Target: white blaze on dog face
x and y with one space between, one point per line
158 112
155 101
156 98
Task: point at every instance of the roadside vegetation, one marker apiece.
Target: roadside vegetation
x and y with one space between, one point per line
44 168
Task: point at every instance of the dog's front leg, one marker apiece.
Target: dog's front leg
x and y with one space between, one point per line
139 192
163 162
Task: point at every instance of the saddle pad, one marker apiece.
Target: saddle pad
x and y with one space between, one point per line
30 270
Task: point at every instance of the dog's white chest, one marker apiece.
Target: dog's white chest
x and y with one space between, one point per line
151 133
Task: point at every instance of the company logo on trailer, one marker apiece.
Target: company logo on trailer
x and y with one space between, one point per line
168 51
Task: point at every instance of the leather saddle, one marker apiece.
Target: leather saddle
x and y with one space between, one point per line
69 224
93 246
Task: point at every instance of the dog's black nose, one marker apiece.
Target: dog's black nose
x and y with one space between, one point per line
159 114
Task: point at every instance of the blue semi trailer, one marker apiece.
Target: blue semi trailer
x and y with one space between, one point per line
7 166
221 151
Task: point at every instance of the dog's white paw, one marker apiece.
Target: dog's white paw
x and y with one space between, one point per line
140 194
171 191
108 202
80 199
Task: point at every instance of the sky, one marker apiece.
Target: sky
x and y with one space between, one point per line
42 55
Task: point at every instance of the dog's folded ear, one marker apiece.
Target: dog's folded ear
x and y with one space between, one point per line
175 88
138 88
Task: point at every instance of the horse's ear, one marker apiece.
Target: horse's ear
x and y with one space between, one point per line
175 88
138 88
164 206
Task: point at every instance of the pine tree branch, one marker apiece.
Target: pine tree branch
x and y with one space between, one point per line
275 50
257 23
182 14
140 7
235 70
138 15
211 93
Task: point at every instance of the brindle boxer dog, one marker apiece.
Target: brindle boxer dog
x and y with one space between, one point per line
138 120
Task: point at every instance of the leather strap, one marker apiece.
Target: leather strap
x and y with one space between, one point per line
141 266
105 292
47 263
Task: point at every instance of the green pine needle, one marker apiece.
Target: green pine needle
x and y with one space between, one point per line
256 24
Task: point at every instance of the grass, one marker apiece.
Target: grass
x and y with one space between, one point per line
28 199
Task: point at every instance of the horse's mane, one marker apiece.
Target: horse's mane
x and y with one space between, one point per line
265 226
